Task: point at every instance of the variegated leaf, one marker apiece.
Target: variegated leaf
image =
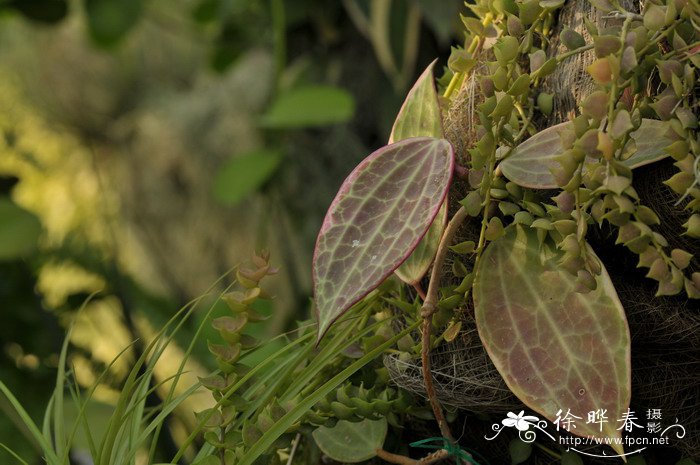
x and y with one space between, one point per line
420 116
557 350
382 211
530 163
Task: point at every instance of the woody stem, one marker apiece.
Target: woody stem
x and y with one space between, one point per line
428 309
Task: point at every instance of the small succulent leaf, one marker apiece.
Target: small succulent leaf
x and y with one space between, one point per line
420 114
381 212
416 265
556 349
530 164
351 442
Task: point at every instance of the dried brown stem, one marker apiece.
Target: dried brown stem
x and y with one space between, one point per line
403 460
427 311
434 457
395 458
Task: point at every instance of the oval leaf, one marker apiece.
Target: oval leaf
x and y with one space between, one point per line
381 212
530 163
420 116
351 442
555 348
420 112
244 174
19 230
310 106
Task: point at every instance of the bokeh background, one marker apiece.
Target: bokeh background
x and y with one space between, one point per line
149 146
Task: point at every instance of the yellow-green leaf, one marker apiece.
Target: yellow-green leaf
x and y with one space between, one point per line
349 442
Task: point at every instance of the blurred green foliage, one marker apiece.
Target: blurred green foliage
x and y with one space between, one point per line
155 144
19 230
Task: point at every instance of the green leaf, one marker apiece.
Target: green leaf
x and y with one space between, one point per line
420 114
349 442
571 39
310 106
416 265
382 211
110 20
244 174
556 349
19 230
530 163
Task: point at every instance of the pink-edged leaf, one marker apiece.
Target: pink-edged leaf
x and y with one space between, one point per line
420 113
530 163
556 349
414 268
420 116
381 212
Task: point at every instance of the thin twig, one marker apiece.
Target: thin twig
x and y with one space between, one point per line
295 444
621 15
428 309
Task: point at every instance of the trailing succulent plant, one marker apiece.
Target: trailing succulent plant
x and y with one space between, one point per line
303 391
489 211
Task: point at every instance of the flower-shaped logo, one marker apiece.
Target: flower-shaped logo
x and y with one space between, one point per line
521 421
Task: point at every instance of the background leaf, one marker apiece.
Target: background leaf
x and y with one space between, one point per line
19 230
420 116
530 163
381 212
555 348
244 174
310 106
110 20
351 442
